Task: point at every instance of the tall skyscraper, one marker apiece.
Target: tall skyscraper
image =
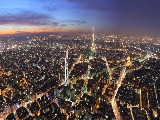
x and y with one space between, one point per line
140 100
66 68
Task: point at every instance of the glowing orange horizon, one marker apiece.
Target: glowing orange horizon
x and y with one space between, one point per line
25 31
10 32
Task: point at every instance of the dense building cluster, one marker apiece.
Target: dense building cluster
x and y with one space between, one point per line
119 78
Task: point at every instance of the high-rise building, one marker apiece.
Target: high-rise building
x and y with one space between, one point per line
66 68
140 100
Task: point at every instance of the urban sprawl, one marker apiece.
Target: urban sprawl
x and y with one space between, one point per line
85 77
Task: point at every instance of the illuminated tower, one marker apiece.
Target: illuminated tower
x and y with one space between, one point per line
92 55
66 68
93 44
140 100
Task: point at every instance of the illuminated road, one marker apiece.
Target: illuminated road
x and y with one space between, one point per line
113 100
122 76
131 112
148 117
116 110
76 62
119 82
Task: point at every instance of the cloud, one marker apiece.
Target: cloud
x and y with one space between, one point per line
54 24
28 18
73 22
78 21
25 18
58 24
63 25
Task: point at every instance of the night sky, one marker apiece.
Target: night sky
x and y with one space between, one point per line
125 17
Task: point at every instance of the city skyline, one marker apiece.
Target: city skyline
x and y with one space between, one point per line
63 77
77 16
